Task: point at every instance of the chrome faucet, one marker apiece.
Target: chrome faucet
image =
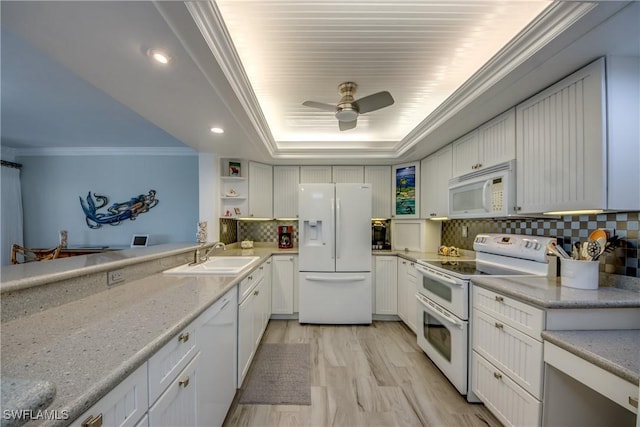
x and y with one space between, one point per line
200 257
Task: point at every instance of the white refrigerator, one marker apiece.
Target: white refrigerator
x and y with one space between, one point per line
335 253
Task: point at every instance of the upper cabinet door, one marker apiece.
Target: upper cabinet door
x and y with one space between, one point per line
315 174
465 154
497 140
260 190
435 172
406 191
348 174
380 179
561 145
285 191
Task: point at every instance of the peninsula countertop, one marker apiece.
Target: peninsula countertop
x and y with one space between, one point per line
546 292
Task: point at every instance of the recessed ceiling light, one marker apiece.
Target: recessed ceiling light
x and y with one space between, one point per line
159 56
217 130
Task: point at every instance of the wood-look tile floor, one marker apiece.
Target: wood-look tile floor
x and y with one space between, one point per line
364 376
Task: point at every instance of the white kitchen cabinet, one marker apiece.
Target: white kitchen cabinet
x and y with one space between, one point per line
177 406
348 174
507 363
217 339
407 280
488 145
253 316
166 363
260 190
502 396
380 179
386 284
435 172
405 191
125 405
315 174
285 191
284 273
570 136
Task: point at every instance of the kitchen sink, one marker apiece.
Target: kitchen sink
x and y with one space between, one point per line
219 265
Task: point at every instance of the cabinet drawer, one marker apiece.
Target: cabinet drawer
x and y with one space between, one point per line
165 365
520 316
248 283
511 404
123 406
516 354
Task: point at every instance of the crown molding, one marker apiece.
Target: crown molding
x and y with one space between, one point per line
208 18
552 22
106 151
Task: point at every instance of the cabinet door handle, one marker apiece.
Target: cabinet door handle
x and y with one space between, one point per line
497 375
256 292
184 382
499 325
633 401
499 298
183 337
93 421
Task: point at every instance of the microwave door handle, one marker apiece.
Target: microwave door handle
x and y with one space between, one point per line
437 277
486 204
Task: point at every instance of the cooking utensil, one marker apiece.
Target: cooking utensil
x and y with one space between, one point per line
593 249
598 234
575 251
557 250
584 253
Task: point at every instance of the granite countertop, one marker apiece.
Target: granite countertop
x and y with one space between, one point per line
21 276
615 351
547 292
84 348
68 357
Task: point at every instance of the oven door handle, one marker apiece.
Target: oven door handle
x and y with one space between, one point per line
437 277
435 312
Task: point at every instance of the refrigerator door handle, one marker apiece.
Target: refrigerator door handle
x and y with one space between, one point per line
333 225
336 278
338 228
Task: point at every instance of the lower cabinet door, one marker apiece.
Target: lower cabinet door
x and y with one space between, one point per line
123 406
509 402
177 406
245 336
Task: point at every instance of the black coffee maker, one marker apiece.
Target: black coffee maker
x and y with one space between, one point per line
285 236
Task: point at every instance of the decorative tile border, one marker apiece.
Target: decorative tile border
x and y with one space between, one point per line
624 260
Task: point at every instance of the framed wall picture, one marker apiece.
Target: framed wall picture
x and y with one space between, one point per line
235 169
406 181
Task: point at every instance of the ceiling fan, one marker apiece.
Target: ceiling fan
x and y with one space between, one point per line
348 109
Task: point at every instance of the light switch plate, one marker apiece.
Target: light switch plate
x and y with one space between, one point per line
115 276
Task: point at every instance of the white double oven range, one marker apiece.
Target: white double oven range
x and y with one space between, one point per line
443 296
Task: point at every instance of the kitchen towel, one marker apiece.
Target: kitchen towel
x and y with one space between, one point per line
280 375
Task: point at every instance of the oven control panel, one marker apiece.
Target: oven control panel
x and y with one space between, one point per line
514 245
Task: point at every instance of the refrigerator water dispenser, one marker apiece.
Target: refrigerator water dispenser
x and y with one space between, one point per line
313 233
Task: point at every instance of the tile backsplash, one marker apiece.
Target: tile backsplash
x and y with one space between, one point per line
623 260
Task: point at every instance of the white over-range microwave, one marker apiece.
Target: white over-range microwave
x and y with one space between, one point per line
485 193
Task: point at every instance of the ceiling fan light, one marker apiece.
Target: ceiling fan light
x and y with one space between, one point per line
346 115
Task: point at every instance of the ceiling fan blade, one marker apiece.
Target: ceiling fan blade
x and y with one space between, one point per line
320 106
347 125
374 102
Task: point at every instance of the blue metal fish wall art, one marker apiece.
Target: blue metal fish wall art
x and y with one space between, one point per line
117 212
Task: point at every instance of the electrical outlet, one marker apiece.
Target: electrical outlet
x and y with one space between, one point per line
465 231
115 276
